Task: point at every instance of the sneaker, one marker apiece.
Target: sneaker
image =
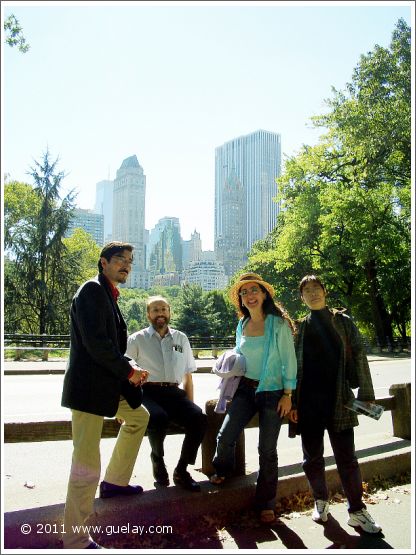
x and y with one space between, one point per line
320 512
362 519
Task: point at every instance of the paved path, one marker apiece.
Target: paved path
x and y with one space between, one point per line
58 366
391 508
35 478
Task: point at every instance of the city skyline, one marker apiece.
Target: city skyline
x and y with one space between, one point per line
171 83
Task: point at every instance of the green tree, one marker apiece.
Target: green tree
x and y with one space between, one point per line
135 314
82 253
40 278
191 312
14 34
220 313
346 201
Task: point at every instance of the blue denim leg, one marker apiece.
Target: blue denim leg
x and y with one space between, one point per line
269 429
240 412
348 467
313 461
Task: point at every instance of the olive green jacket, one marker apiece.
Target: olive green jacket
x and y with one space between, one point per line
353 368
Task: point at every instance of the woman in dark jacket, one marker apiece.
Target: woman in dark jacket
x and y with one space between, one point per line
331 361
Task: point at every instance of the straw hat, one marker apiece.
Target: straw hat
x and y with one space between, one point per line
248 278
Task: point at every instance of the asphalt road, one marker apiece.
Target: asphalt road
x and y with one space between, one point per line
28 398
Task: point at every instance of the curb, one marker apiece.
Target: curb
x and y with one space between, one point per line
150 509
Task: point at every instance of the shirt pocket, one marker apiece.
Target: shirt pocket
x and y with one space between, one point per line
178 361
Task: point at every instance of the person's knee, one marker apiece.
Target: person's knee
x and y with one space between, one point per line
158 421
144 416
268 455
138 418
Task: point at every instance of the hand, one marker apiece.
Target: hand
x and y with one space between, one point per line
139 376
284 406
293 416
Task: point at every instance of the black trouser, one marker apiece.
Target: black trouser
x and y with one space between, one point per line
170 404
348 469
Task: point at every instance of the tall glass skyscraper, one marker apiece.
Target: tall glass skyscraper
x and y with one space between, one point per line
246 169
129 213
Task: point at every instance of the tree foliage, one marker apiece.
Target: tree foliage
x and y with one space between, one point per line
190 315
221 314
14 34
41 272
82 254
346 201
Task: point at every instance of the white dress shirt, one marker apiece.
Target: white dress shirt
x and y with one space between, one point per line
167 359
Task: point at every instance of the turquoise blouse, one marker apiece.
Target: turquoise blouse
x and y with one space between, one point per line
279 365
252 349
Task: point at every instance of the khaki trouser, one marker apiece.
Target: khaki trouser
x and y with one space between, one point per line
86 465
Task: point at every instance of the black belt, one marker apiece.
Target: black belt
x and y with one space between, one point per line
163 384
249 381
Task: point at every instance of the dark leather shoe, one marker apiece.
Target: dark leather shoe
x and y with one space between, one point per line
185 481
94 545
111 490
160 473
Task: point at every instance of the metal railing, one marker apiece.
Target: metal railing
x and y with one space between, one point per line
19 343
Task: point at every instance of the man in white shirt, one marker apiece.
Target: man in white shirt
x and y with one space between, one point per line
167 355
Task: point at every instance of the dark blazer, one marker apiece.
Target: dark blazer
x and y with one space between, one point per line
351 342
97 369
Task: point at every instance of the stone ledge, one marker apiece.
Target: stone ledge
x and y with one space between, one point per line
150 508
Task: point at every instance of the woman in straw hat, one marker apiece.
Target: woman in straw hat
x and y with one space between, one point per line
264 336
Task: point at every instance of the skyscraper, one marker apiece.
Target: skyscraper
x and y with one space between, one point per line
230 244
129 214
104 205
90 222
165 246
246 169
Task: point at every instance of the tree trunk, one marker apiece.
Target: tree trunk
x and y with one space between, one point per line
382 320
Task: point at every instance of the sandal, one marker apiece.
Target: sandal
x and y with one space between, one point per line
267 516
217 480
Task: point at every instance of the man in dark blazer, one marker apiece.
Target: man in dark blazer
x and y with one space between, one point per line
101 381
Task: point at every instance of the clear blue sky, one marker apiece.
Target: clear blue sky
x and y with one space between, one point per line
170 82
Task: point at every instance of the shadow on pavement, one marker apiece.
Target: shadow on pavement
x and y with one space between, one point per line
342 540
252 538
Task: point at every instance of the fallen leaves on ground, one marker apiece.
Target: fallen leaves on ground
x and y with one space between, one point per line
212 531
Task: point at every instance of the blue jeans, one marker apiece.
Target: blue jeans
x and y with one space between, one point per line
244 406
348 469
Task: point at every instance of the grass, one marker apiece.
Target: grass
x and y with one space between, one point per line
36 354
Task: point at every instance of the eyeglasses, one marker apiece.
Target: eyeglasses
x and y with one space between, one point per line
123 259
253 290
